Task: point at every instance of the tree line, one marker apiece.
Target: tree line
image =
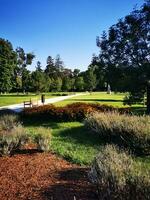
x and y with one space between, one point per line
15 76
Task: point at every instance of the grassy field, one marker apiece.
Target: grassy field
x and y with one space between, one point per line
9 99
72 141
96 97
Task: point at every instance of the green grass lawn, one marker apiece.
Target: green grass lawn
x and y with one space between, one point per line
70 140
73 142
96 97
10 99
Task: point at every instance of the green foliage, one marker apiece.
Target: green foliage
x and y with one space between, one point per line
67 84
71 112
42 139
90 80
56 84
117 177
8 63
124 54
40 81
132 132
12 134
79 83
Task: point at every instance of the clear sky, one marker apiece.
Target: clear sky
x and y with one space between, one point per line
65 27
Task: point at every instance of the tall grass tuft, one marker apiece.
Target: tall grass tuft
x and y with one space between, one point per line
132 132
43 139
117 177
12 134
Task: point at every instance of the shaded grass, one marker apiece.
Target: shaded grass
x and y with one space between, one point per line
73 142
70 140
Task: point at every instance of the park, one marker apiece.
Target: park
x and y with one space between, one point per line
77 134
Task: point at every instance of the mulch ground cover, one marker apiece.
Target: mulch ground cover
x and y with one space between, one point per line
31 175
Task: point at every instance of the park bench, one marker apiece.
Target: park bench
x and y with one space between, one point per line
31 103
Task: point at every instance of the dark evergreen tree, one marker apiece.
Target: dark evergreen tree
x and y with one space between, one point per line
8 65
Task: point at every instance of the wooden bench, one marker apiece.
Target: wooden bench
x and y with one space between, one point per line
27 103
31 103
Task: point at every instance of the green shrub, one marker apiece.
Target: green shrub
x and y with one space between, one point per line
11 140
71 112
12 134
42 139
114 173
7 122
132 132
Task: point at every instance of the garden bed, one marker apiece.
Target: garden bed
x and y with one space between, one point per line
29 174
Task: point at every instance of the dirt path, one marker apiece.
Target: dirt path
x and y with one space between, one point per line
43 176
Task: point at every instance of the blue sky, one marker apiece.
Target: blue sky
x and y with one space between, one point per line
65 27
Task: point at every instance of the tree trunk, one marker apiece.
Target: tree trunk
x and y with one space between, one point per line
148 99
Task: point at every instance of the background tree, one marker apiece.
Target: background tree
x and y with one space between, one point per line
8 63
40 81
23 60
79 83
90 80
125 51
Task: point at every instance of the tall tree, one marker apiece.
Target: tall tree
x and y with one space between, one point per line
40 81
79 83
8 63
90 80
23 60
125 52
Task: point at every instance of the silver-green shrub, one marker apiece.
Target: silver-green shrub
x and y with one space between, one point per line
12 134
43 138
130 131
117 177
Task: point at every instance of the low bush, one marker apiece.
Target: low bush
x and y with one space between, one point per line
71 112
12 140
117 177
132 132
42 139
8 122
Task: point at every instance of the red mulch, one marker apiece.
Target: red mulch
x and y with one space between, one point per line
31 175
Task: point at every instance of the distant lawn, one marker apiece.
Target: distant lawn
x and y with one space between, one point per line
8 99
115 99
74 143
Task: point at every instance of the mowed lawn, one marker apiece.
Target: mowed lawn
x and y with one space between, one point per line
73 142
10 99
96 97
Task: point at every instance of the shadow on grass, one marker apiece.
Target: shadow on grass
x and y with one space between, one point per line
102 100
138 110
19 95
41 122
80 135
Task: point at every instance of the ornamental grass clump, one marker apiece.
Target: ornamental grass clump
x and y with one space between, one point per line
117 177
12 134
43 139
132 132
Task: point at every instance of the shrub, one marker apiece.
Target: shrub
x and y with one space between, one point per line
71 112
114 173
130 131
12 139
8 122
12 134
42 139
